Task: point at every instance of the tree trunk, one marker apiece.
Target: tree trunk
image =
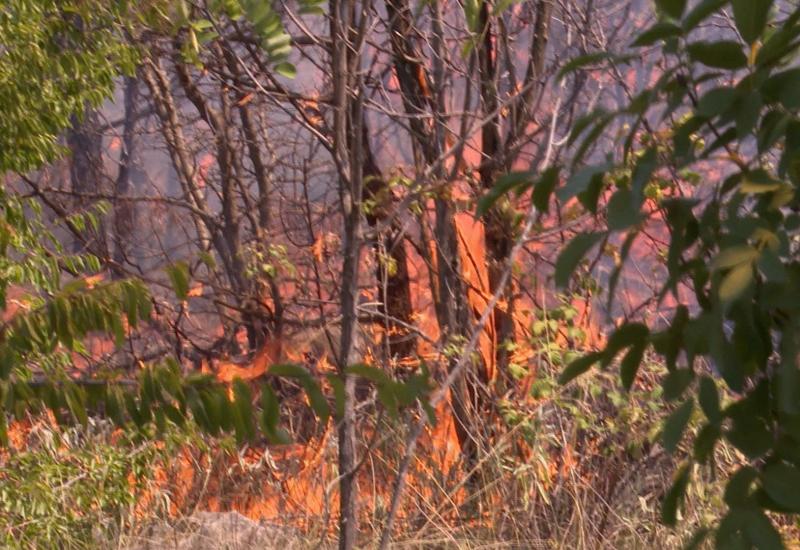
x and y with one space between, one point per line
498 222
347 110
421 96
392 275
130 175
86 177
498 154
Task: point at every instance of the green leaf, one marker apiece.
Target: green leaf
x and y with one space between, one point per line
338 394
750 435
579 366
676 382
716 101
751 17
629 334
622 210
735 256
75 399
289 369
782 484
761 532
544 188
471 14
659 31
729 532
673 8
286 69
737 492
590 197
758 181
645 167
778 45
709 399
3 428
580 181
698 538
674 497
388 398
270 417
178 274
705 441
572 254
670 342
501 188
748 111
595 117
724 54
788 379
630 364
757 186
736 282
113 405
676 424
373 374
700 12
243 401
219 413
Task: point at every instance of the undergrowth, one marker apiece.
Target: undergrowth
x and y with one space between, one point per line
569 467
77 487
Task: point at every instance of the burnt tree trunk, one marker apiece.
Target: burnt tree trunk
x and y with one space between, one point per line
453 312
498 154
498 223
393 280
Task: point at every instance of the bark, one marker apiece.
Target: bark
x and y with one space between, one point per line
130 175
521 113
421 96
347 159
499 222
86 177
392 266
498 154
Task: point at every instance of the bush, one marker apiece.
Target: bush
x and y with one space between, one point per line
72 488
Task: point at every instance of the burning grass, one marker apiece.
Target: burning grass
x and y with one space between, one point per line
574 468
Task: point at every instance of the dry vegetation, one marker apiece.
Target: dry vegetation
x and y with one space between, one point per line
310 272
590 476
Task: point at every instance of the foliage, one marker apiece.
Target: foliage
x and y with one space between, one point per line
60 58
265 21
732 106
74 488
57 58
65 56
54 315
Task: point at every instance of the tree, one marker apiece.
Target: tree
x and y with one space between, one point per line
58 59
267 157
709 153
50 72
67 56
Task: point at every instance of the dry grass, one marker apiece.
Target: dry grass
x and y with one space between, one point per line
578 468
